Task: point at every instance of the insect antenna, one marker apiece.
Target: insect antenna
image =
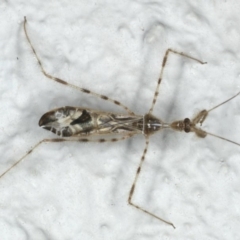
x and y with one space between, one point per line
202 115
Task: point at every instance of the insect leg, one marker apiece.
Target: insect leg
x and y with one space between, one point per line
69 84
164 61
100 140
134 186
202 115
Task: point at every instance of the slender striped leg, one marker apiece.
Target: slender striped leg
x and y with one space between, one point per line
134 187
147 138
56 140
165 58
69 84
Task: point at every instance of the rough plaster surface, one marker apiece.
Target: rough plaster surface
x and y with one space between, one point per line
79 191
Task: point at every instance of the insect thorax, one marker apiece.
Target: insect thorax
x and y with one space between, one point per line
153 124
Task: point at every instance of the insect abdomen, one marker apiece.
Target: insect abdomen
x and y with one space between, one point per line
72 121
68 121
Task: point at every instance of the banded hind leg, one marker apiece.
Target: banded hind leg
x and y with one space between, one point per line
57 140
58 80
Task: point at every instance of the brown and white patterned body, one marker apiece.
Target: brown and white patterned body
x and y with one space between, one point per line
75 122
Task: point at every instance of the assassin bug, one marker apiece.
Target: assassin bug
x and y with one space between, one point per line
82 124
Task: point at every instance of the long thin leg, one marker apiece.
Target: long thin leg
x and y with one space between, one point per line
69 84
134 186
162 69
101 140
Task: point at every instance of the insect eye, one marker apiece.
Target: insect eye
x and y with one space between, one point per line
186 121
187 129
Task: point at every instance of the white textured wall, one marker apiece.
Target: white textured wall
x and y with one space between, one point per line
79 191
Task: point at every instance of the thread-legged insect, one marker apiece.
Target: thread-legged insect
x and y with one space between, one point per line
82 125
